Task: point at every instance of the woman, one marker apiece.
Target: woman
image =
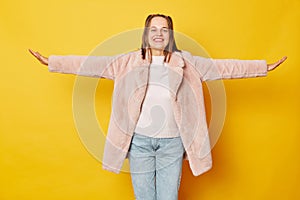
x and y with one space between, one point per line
158 116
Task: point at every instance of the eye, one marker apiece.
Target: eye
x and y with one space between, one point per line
165 30
152 30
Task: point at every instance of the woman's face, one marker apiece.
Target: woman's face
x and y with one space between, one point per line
158 36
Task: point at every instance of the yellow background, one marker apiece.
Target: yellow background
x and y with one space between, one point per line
41 155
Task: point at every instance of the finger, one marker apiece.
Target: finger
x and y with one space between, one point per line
281 60
36 55
284 58
32 52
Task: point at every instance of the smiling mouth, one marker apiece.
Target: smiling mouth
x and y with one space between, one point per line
158 40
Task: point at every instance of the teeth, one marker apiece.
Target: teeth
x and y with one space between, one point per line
158 40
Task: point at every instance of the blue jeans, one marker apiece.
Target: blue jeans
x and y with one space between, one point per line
155 166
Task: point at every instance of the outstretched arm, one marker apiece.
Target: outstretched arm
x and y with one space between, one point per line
93 66
214 69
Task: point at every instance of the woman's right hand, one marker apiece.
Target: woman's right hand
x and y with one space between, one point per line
42 59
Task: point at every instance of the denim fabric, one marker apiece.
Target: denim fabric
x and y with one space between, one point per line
155 166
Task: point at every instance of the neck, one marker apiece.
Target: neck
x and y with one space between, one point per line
157 52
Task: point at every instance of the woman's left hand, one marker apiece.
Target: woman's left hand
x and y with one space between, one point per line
276 64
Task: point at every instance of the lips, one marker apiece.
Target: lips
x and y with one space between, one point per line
158 39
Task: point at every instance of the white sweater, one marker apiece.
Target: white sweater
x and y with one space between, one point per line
157 117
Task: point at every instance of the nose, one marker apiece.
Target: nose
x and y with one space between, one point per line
159 32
